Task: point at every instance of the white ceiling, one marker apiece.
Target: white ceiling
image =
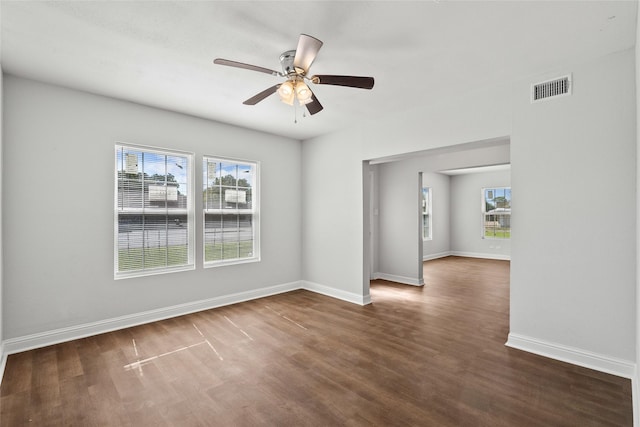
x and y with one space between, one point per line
161 53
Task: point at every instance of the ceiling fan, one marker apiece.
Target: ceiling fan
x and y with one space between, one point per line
295 67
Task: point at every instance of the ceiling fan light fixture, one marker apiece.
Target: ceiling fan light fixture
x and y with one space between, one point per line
303 93
288 100
286 92
285 89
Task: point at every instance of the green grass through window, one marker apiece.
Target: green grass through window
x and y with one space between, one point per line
497 233
135 259
228 250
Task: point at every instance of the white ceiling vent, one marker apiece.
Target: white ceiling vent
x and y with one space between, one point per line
560 86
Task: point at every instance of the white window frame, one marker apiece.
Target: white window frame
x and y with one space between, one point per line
429 214
254 211
189 211
484 214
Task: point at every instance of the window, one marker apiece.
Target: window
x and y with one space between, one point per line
426 213
230 202
154 229
496 213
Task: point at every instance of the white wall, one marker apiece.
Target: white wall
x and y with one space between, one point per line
332 205
636 380
466 220
440 242
58 208
2 354
585 143
399 226
374 218
573 269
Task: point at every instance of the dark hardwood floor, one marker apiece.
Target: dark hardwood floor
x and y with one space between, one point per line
423 356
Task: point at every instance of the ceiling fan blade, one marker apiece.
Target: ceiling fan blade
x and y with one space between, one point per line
306 52
314 106
236 64
262 95
349 81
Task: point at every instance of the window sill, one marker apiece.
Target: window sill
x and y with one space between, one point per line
153 272
222 263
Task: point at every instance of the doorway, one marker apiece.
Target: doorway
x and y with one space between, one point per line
393 216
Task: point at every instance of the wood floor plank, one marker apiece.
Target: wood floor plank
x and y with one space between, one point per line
19 378
69 364
431 355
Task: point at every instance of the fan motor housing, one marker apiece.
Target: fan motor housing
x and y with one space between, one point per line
286 61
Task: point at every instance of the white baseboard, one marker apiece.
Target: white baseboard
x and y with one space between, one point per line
576 356
481 255
366 300
42 339
399 279
429 257
3 361
337 293
56 336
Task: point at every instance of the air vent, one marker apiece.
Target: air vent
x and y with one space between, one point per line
551 88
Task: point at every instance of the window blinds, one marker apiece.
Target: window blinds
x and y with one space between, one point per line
154 211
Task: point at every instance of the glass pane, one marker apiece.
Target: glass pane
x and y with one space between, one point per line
249 199
130 187
426 210
245 236
177 240
235 198
177 169
498 226
498 199
155 241
130 242
211 184
425 200
177 188
213 237
228 173
155 180
179 196
230 236
154 167
212 198
130 193
246 175
425 227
